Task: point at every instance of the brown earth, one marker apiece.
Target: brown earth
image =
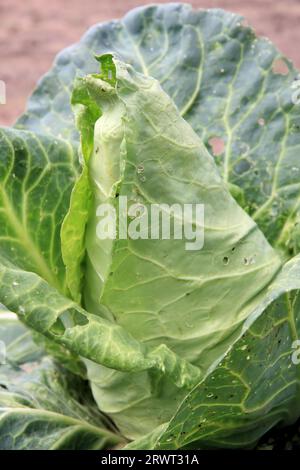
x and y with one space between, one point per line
33 31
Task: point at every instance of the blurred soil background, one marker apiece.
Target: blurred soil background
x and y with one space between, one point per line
32 32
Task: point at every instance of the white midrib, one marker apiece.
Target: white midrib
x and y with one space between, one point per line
138 52
24 237
291 319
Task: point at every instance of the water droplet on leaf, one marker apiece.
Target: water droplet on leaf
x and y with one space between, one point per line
21 310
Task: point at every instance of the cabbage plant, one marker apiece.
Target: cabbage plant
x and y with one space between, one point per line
139 342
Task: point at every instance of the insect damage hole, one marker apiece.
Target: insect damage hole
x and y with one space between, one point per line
217 145
226 260
280 67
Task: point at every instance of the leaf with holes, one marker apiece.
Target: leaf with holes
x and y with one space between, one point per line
195 302
237 91
162 327
255 386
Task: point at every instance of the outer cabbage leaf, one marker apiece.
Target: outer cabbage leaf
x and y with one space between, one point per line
255 386
17 341
222 79
42 406
37 174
